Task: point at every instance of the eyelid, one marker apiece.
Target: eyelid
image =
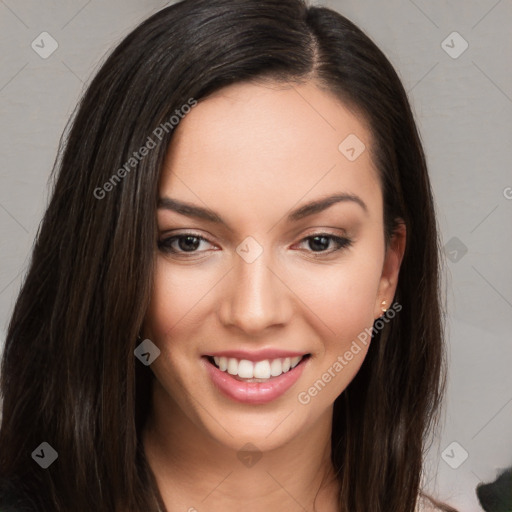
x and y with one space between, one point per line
313 231
324 230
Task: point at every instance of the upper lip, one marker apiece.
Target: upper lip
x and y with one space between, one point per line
259 355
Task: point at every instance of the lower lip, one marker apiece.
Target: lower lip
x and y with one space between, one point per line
254 392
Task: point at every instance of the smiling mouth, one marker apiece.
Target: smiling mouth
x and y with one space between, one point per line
266 370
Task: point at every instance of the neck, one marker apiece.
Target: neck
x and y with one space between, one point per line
194 472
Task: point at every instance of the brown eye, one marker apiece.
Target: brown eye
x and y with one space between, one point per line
179 244
320 243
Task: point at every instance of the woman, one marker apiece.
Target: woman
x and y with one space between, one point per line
233 296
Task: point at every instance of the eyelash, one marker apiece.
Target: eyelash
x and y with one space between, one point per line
342 243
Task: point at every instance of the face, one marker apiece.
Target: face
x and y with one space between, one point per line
258 271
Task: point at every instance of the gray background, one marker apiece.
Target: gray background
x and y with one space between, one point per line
463 108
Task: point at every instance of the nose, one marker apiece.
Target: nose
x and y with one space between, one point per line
254 297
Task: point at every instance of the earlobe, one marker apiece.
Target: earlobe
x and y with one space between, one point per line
390 269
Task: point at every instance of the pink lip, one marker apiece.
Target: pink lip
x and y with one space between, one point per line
260 355
254 392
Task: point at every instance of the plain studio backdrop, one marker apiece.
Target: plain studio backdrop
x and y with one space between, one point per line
454 58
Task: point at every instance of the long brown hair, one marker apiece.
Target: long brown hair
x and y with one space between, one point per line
69 376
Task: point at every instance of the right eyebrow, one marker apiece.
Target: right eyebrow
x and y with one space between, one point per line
190 210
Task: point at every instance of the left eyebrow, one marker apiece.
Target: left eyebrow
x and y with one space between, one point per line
311 208
322 204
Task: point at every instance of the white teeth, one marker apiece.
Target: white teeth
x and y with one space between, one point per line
245 369
232 366
262 370
294 361
276 368
265 369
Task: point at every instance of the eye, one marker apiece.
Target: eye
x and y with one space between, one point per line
182 243
189 243
320 242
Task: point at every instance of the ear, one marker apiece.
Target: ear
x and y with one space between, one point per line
390 269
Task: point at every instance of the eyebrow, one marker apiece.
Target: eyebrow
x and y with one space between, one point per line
311 208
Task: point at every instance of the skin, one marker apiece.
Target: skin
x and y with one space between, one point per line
252 153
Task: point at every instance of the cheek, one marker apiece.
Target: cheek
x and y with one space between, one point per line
341 300
177 299
173 319
342 296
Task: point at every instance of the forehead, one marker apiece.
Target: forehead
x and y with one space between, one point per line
249 143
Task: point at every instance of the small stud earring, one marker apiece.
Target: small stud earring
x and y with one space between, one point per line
383 306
